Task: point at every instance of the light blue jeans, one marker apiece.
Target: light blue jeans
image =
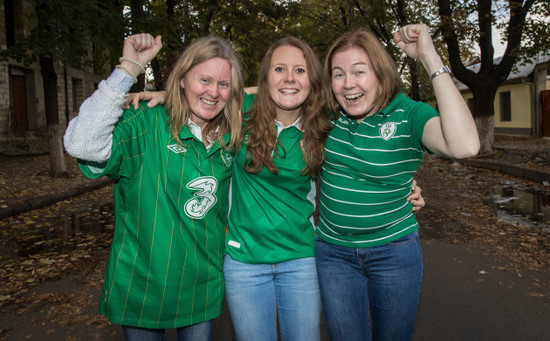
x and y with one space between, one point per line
370 290
259 293
196 332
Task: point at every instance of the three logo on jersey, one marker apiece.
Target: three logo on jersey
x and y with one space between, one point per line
204 187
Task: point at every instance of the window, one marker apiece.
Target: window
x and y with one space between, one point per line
505 107
9 15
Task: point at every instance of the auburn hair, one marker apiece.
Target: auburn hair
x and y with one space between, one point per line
383 66
260 131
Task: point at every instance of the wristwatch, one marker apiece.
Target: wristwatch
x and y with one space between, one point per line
444 69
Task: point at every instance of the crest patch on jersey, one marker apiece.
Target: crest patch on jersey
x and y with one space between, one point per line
227 157
176 149
387 130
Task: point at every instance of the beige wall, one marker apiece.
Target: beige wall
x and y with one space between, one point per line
522 110
520 100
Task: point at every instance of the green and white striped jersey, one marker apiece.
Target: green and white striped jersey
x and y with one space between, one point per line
368 172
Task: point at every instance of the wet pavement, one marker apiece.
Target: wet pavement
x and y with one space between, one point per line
484 235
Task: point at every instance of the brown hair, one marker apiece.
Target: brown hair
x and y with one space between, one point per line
230 119
383 66
260 130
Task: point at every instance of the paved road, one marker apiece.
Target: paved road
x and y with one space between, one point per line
466 295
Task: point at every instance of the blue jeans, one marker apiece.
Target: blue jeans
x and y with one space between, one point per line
259 293
370 290
196 332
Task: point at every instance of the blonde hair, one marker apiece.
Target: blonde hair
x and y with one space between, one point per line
230 119
383 66
260 129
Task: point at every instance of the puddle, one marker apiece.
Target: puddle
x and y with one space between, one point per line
528 208
61 233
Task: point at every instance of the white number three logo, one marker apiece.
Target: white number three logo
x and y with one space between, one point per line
204 199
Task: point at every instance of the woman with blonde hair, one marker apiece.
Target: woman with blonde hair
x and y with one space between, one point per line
369 259
171 167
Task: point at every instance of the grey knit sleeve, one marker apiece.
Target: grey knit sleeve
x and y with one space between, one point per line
89 136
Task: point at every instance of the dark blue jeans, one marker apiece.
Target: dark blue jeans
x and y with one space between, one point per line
370 293
196 332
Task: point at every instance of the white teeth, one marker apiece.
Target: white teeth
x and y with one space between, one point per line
207 101
354 96
289 91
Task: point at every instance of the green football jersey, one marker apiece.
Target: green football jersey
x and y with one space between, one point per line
171 206
368 172
271 214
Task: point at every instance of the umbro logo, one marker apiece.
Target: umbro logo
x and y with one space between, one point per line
176 149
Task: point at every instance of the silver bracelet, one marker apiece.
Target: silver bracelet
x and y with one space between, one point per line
122 68
121 59
444 69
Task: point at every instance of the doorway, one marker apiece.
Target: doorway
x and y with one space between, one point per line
19 117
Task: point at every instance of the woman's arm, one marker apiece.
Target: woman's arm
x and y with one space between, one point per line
158 97
89 135
454 133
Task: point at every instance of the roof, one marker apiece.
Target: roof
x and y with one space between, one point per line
520 70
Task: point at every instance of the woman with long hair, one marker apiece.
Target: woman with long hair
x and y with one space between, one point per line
171 166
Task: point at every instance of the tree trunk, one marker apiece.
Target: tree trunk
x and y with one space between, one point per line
415 88
486 130
484 116
49 81
57 159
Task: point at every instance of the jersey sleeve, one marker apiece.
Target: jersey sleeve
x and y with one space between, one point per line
420 115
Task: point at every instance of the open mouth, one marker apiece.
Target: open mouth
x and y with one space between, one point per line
288 91
205 101
353 97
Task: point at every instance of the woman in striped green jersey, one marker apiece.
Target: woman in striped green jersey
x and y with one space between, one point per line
368 254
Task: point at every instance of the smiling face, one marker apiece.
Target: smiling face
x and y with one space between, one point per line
354 83
207 88
288 81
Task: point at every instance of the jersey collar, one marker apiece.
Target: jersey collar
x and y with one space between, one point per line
296 124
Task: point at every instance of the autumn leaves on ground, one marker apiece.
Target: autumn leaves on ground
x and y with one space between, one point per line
45 252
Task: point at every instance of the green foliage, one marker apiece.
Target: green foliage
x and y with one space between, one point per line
75 32
86 32
536 31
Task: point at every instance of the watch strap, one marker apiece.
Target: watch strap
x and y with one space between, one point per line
444 69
